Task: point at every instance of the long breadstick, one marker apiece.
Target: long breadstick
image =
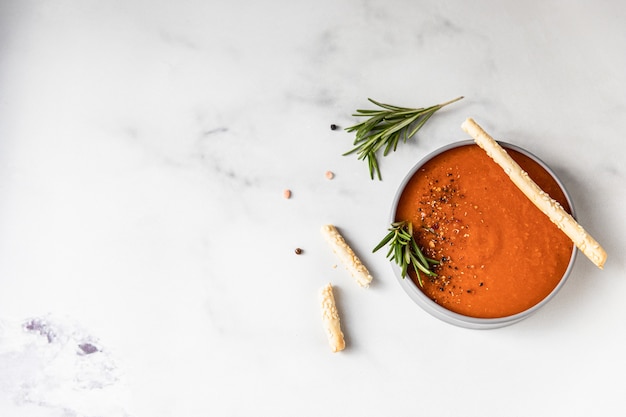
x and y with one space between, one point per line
330 318
551 208
346 255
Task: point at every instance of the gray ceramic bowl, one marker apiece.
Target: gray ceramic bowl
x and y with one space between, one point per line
449 316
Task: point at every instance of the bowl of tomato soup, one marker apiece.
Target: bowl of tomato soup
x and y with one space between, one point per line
500 258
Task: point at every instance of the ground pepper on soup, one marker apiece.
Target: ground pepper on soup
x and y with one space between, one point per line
499 254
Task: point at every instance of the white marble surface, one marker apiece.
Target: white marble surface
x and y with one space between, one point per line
147 262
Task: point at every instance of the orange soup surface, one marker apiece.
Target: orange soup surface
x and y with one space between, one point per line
500 255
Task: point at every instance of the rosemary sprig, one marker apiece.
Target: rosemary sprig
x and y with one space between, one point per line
385 128
404 250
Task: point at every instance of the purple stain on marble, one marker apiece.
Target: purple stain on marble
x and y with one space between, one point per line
87 349
41 327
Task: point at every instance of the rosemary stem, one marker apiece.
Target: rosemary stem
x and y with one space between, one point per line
451 101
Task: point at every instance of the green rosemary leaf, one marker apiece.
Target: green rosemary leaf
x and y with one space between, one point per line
384 128
373 165
385 240
407 254
404 269
419 125
419 278
425 269
419 253
400 125
389 106
392 144
418 273
398 254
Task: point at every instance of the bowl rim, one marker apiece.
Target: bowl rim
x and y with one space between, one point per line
452 317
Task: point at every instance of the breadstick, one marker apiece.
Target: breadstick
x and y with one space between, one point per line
346 255
563 220
330 317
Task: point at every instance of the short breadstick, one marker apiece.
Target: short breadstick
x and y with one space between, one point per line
347 255
330 317
564 221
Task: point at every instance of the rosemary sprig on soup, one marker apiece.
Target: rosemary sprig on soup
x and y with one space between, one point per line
405 252
385 128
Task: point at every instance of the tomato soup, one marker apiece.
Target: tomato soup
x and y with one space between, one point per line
500 255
